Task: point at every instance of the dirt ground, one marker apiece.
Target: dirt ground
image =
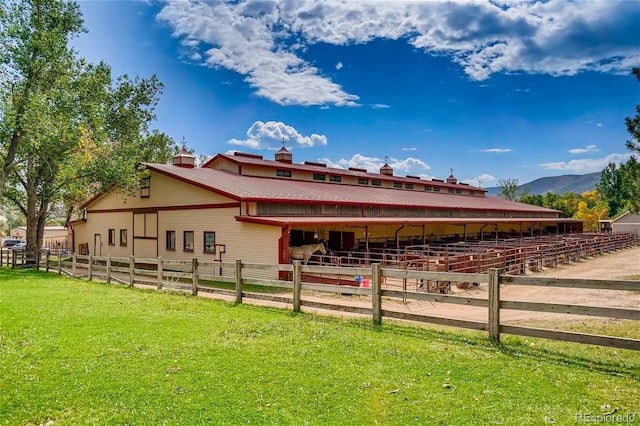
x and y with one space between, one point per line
620 265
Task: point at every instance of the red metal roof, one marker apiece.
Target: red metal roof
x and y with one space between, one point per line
271 164
249 188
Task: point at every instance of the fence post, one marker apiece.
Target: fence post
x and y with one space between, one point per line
297 285
46 258
132 271
90 272
194 277
159 269
494 305
376 293
13 259
73 265
60 263
108 269
238 281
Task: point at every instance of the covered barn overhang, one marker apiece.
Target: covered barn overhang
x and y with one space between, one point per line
284 221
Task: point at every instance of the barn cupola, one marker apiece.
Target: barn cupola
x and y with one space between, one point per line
284 156
386 170
452 178
184 159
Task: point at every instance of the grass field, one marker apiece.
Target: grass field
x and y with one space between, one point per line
74 352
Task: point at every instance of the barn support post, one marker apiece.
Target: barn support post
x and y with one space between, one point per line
194 276
90 272
132 270
159 269
376 293
238 281
108 269
494 305
297 286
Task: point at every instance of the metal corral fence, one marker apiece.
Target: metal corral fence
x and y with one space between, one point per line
200 277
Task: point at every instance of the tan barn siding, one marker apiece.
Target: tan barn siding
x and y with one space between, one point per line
249 242
164 191
100 223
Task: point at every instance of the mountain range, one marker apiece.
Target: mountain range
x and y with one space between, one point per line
556 184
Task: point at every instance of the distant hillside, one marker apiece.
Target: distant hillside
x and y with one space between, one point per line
557 184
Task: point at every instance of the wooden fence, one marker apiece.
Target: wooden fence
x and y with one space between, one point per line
200 277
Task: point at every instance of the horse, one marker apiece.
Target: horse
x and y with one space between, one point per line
304 252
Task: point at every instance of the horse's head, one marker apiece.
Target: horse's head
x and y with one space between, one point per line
323 248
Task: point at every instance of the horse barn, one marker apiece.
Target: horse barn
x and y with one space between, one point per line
242 206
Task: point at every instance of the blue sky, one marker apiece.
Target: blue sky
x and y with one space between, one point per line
493 90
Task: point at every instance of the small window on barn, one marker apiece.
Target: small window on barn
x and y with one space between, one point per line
112 237
362 181
472 192
436 189
458 191
397 184
188 241
319 176
376 182
408 186
283 173
451 191
334 178
171 240
123 237
210 242
145 187
428 188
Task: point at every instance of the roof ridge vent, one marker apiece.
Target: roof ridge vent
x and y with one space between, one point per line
357 169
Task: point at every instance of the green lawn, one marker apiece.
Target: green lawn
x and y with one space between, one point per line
74 352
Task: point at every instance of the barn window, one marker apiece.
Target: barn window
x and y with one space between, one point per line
334 178
397 184
451 191
319 176
409 186
436 189
472 192
171 240
210 242
376 182
112 237
427 188
362 181
123 237
188 241
283 173
145 187
458 191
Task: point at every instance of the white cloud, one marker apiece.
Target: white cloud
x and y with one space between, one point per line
586 165
264 135
588 148
380 106
339 66
497 150
409 149
262 40
481 180
411 166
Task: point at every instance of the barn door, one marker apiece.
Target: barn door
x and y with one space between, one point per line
97 245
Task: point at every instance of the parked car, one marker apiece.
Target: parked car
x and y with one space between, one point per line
10 242
21 246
